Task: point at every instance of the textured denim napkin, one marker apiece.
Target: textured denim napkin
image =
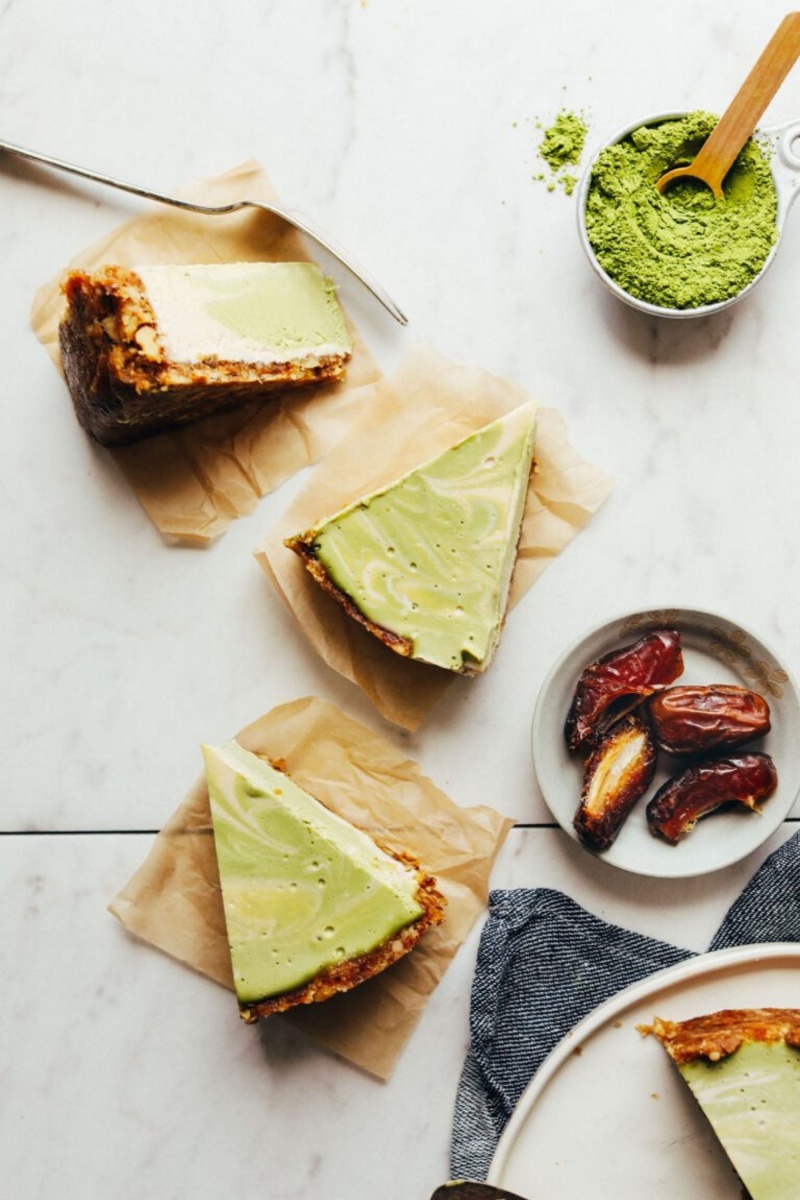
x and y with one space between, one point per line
544 963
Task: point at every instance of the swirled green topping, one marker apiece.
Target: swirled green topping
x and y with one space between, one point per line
430 557
302 889
682 249
752 1099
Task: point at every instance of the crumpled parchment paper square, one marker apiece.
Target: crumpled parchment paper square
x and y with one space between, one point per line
192 482
425 407
174 901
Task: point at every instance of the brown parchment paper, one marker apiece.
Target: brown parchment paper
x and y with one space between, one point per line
427 405
173 901
193 482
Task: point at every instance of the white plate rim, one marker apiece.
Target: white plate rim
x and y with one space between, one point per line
772 817
671 977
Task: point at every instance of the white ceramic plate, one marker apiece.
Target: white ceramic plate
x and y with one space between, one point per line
607 1114
714 651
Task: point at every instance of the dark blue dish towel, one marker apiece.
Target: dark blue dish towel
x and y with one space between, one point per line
544 963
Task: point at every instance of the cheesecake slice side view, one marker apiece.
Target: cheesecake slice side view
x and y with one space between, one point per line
153 347
425 563
313 905
743 1068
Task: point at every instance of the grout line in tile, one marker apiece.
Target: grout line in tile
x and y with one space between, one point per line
11 833
15 833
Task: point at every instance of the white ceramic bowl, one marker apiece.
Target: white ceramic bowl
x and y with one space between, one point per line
785 141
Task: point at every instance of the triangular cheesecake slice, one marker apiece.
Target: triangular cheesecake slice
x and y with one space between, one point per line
425 563
743 1068
313 905
155 347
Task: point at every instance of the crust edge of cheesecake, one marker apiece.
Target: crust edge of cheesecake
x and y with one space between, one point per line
717 1035
303 546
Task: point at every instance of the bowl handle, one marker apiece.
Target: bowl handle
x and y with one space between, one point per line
785 141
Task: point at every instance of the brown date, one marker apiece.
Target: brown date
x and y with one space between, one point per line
698 720
683 800
617 682
617 773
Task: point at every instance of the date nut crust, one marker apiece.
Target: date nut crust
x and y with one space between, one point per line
717 1035
303 547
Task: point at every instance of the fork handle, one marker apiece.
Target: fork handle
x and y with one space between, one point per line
60 165
290 217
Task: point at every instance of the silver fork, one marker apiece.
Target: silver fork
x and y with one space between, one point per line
287 214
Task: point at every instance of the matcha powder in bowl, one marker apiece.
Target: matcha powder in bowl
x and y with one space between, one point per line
680 251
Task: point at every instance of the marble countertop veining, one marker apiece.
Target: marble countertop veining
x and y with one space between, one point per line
409 129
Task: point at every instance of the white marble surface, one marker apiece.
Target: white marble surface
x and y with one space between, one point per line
407 127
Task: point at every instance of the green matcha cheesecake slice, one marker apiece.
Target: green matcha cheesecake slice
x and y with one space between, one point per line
425 563
743 1069
313 905
154 347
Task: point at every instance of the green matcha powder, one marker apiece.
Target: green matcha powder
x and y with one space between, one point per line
561 147
682 249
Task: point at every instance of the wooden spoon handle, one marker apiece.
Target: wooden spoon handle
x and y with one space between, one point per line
716 156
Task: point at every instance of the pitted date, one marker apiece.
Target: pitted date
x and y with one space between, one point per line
617 682
699 790
701 720
618 772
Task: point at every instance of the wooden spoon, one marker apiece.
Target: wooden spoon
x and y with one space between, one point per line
716 156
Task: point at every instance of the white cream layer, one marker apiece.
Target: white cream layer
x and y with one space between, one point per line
257 313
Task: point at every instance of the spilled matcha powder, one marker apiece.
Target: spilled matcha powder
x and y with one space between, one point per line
561 147
682 249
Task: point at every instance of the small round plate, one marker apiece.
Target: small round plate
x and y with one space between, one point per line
715 650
